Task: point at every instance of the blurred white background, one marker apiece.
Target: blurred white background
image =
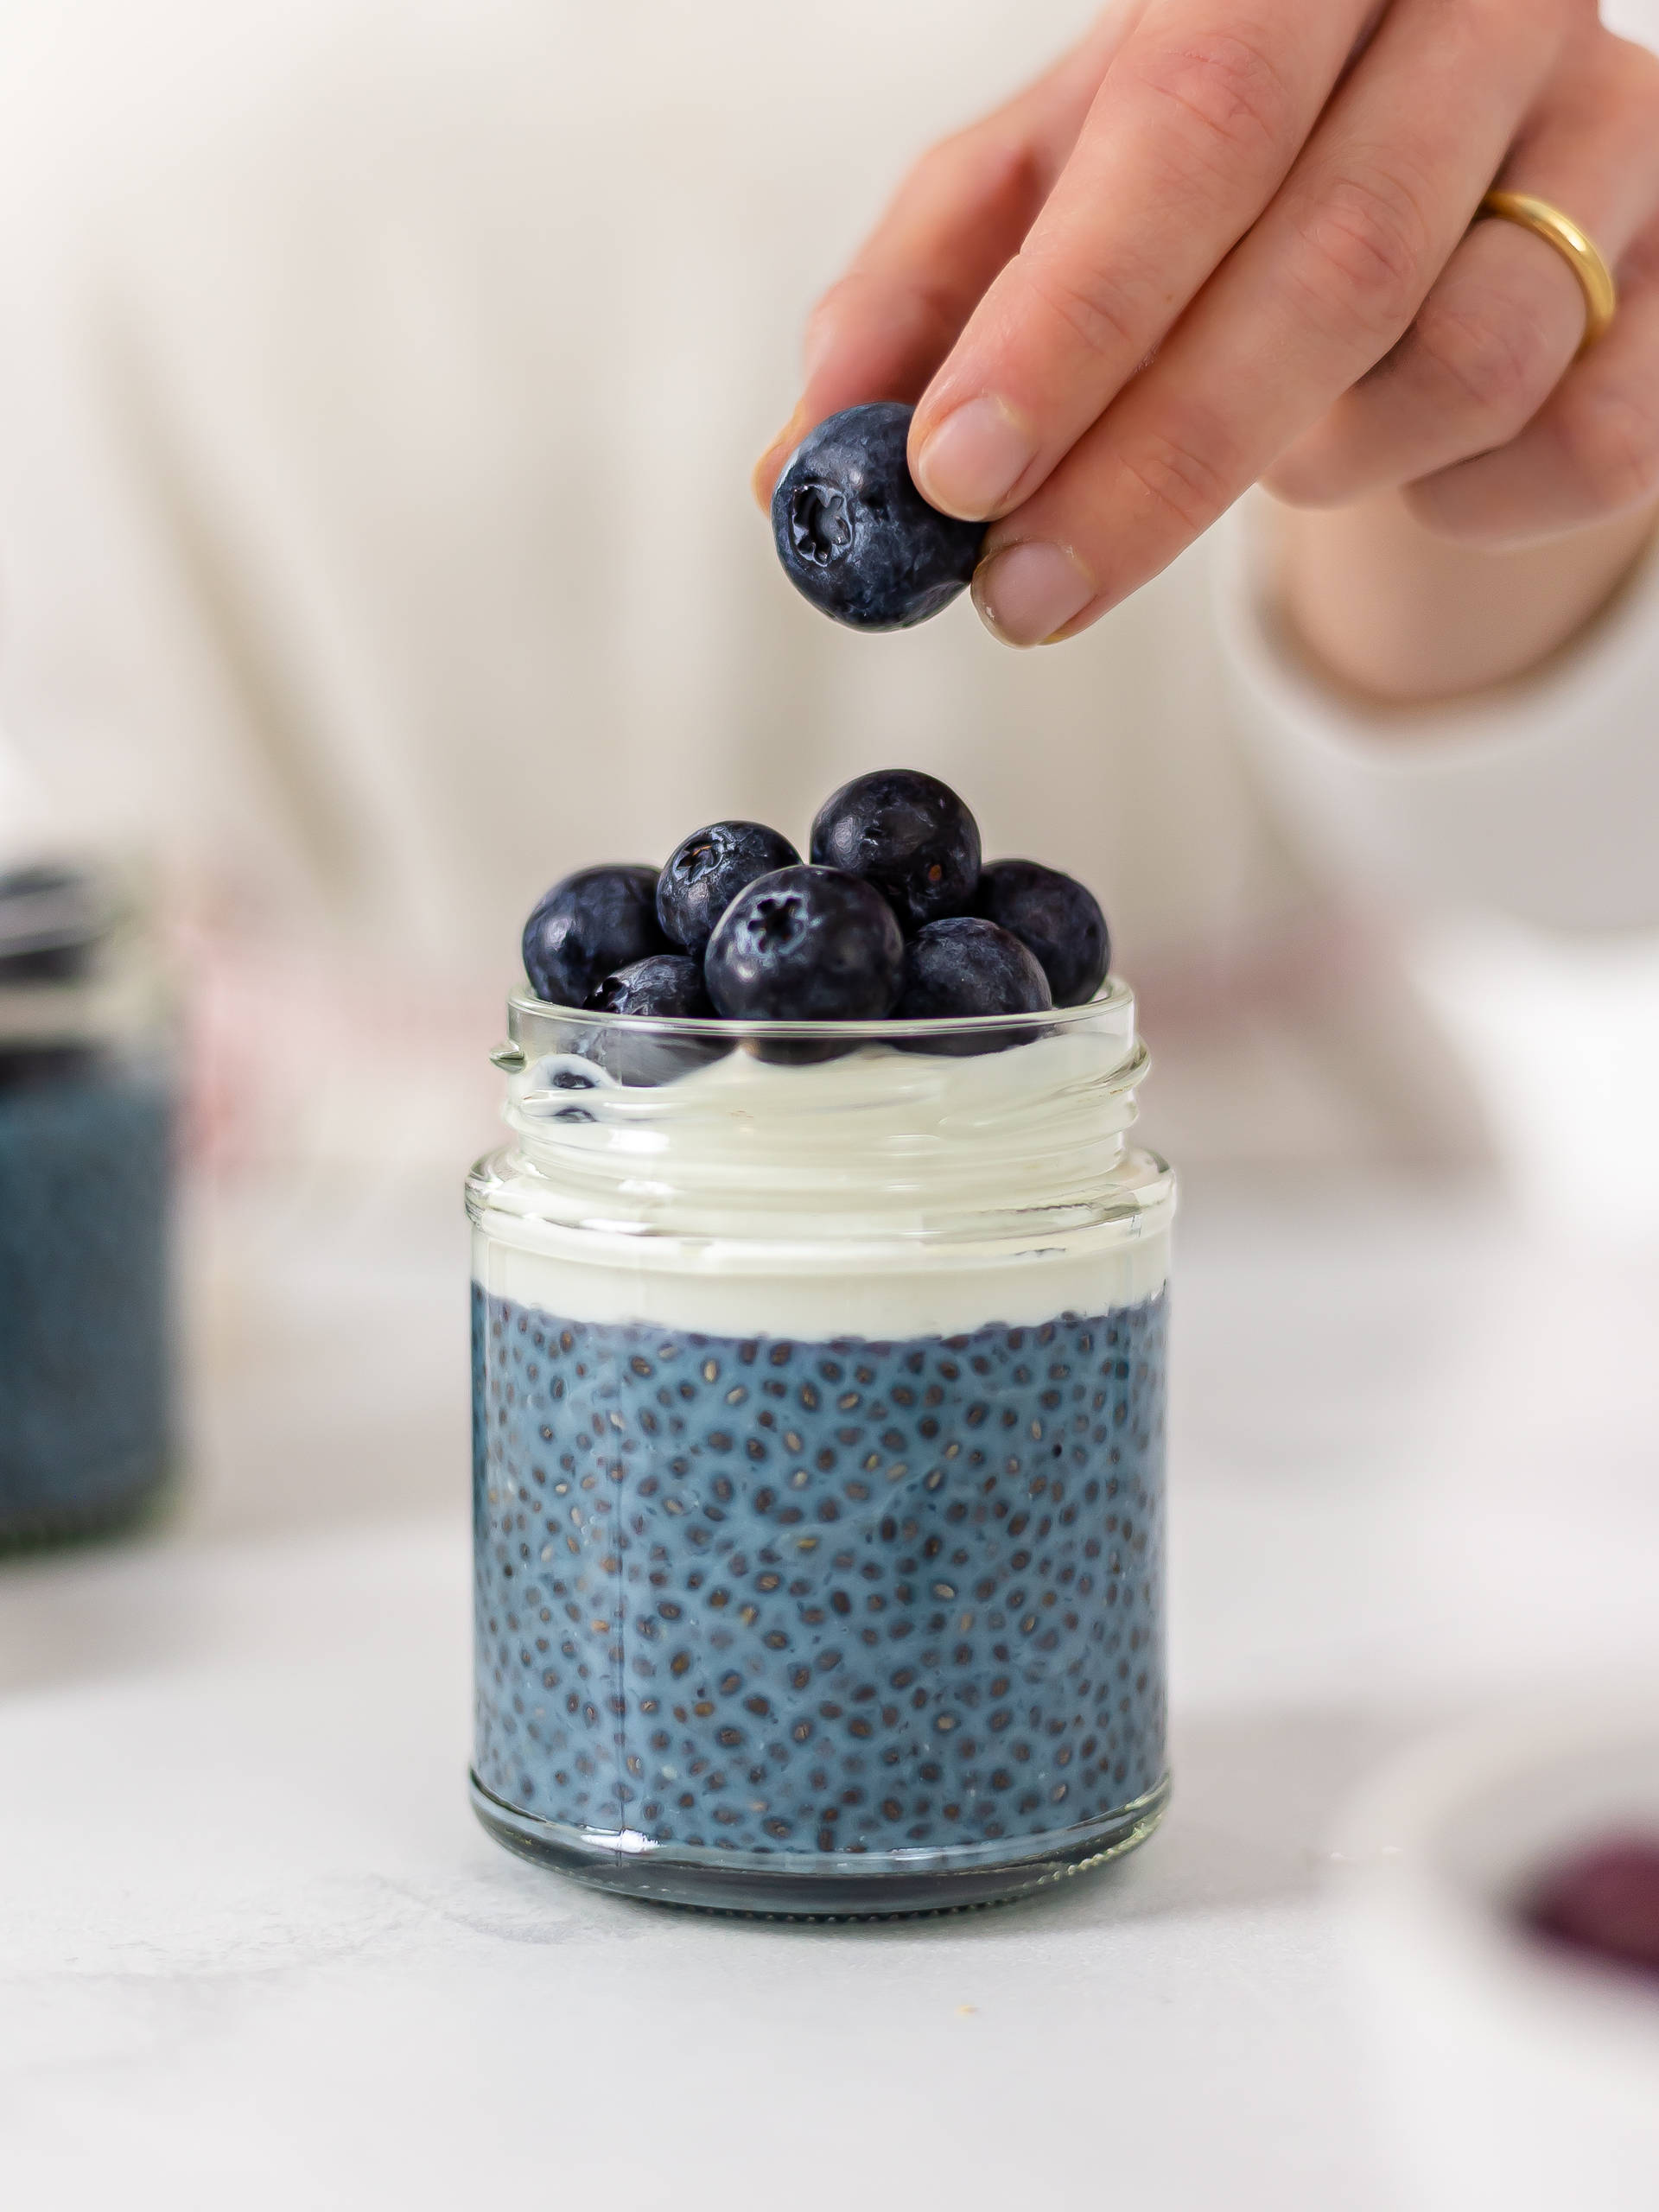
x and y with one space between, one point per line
251 1945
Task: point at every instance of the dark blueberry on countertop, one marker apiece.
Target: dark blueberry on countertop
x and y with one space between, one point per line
1056 918
1604 1903
664 983
961 967
706 871
589 926
854 534
906 833
806 944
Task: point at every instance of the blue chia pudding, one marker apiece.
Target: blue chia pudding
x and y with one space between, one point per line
83 1379
772 1596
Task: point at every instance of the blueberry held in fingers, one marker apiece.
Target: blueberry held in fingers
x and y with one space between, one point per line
589 926
806 944
705 872
907 834
667 984
1056 918
854 534
964 967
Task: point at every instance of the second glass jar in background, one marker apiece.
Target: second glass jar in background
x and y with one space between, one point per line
819 1410
86 1112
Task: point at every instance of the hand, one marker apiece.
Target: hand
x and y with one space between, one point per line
1226 239
1404 615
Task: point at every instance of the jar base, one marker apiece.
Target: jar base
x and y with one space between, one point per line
37 1521
821 1885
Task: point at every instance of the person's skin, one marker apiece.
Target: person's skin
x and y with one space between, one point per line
1231 241
1402 615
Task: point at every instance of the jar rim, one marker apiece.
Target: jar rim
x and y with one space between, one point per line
55 918
525 1012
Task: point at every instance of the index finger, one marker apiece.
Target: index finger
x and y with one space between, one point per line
883 328
1202 111
1320 290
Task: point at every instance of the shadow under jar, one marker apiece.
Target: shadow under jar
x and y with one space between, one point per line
818 1457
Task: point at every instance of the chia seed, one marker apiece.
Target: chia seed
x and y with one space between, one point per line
780 1597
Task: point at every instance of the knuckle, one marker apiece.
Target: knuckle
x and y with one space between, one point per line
1177 484
1370 240
1638 266
1226 85
1006 167
1611 437
1087 300
982 173
1637 68
1497 358
962 152
831 308
943 172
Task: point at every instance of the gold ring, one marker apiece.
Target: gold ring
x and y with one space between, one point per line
1595 277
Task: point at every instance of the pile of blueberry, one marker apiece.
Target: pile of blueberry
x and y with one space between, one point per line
894 916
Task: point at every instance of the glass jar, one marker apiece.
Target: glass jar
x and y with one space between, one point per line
85 1115
818 1457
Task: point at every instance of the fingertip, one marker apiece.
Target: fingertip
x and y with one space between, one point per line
970 464
763 478
1291 481
1034 592
1074 628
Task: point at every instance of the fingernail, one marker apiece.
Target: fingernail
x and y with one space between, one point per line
766 470
1025 593
973 459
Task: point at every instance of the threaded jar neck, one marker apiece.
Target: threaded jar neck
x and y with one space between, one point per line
780 1130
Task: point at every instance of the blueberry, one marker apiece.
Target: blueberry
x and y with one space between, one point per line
1056 918
907 834
962 966
705 873
587 925
667 984
806 944
854 534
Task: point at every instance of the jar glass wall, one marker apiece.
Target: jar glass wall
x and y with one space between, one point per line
85 1084
819 1457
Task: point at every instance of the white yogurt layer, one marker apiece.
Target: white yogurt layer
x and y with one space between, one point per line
884 1194
708 1289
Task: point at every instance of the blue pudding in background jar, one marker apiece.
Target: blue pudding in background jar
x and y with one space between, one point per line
85 1181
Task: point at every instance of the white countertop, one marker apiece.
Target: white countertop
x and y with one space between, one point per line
254 1950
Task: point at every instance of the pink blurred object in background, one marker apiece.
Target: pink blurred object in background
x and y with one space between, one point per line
1512 2075
1603 1902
